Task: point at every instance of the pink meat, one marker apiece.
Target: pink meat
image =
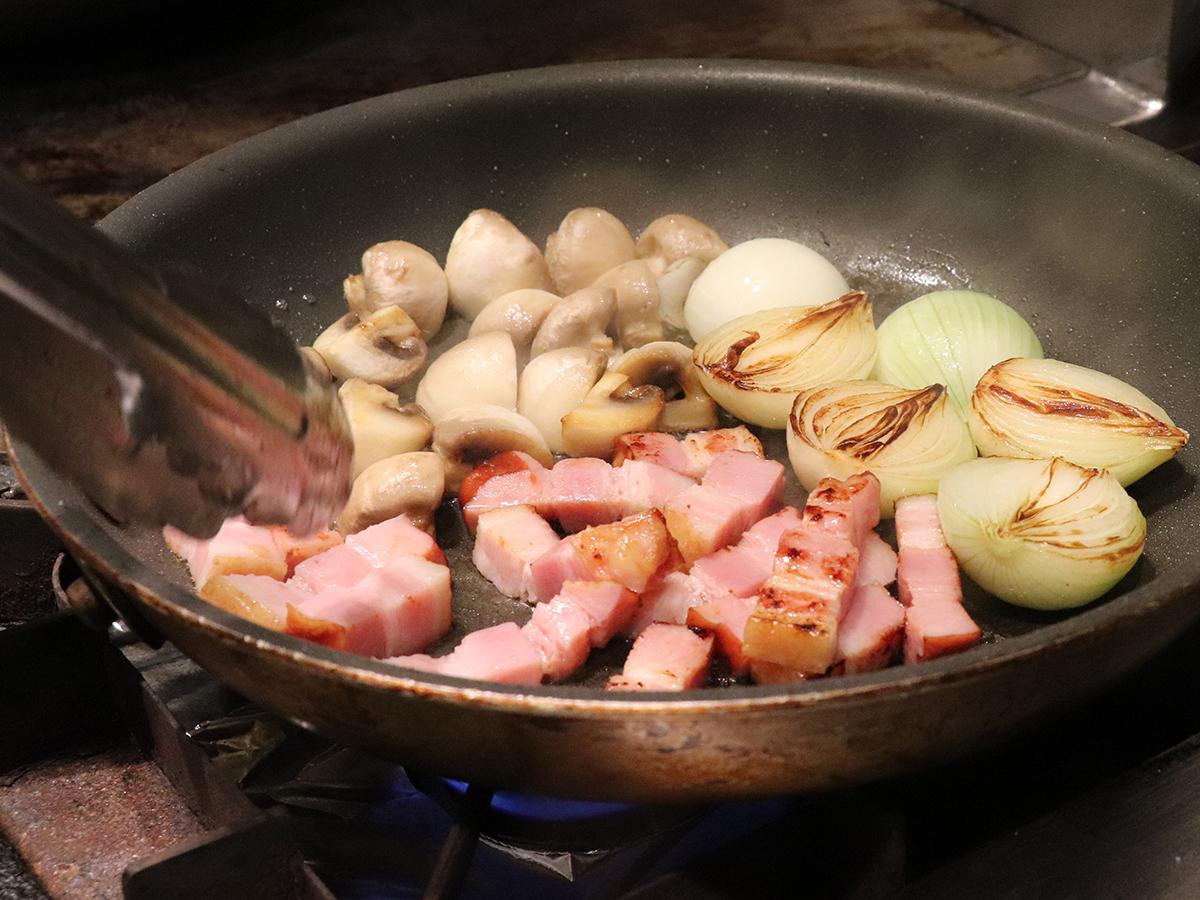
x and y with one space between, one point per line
259 598
877 562
929 585
507 541
394 537
643 486
740 570
238 548
608 606
297 549
704 519
560 631
870 632
755 482
501 653
666 602
555 567
726 618
520 487
691 456
341 567
850 508
666 658
579 493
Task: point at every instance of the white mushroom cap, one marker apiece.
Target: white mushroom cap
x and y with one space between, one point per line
384 347
588 243
578 320
668 365
480 369
470 435
380 425
316 365
674 237
397 273
489 257
520 313
638 318
612 408
555 383
409 484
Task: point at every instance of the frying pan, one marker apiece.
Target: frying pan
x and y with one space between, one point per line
905 185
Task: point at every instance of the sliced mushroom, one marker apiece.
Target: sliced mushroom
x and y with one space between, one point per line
480 369
637 315
472 434
615 406
410 484
520 313
397 273
588 243
489 257
316 364
578 320
555 383
673 237
673 286
384 347
668 365
380 425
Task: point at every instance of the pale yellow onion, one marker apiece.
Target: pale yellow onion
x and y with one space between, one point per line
755 365
1040 408
1039 533
907 438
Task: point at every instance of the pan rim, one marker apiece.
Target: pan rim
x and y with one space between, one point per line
83 536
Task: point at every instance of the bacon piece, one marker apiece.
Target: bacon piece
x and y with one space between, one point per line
631 552
756 483
559 630
511 478
876 562
936 622
666 602
579 493
501 653
608 606
238 548
726 618
665 658
297 549
691 456
850 508
259 598
507 541
341 567
870 632
395 537
644 486
740 570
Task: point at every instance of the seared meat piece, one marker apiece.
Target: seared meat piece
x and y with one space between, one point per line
501 653
690 456
665 658
507 541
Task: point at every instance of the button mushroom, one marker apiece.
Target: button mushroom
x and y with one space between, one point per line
488 257
316 365
637 313
520 313
578 320
480 369
384 347
588 243
668 365
674 237
380 425
410 484
555 383
470 435
397 273
615 406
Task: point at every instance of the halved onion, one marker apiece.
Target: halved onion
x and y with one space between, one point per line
755 365
1040 533
951 338
1040 408
907 438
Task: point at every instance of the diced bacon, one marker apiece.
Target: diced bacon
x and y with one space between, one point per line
703 519
631 552
667 602
692 456
643 486
506 463
511 478
608 606
581 492
929 585
756 483
395 537
559 630
666 658
297 549
259 598
501 653
876 562
763 672
794 624
740 570
726 618
850 507
870 632
507 541
341 567
238 548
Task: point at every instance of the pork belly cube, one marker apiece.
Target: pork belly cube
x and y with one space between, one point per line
559 630
555 567
507 541
511 478
756 483
850 508
654 447
579 493
666 658
643 486
238 548
704 519
936 628
871 630
341 567
764 535
725 618
297 549
876 562
794 623
705 446
259 598
741 569
667 602
395 537
608 606
502 653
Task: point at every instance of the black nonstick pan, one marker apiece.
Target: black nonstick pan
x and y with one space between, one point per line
906 186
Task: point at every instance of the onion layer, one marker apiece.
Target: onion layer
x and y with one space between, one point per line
755 365
1040 533
950 338
907 438
1040 408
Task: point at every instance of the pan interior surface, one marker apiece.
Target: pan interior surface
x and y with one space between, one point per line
1093 236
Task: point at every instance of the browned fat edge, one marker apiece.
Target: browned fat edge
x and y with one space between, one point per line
891 423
